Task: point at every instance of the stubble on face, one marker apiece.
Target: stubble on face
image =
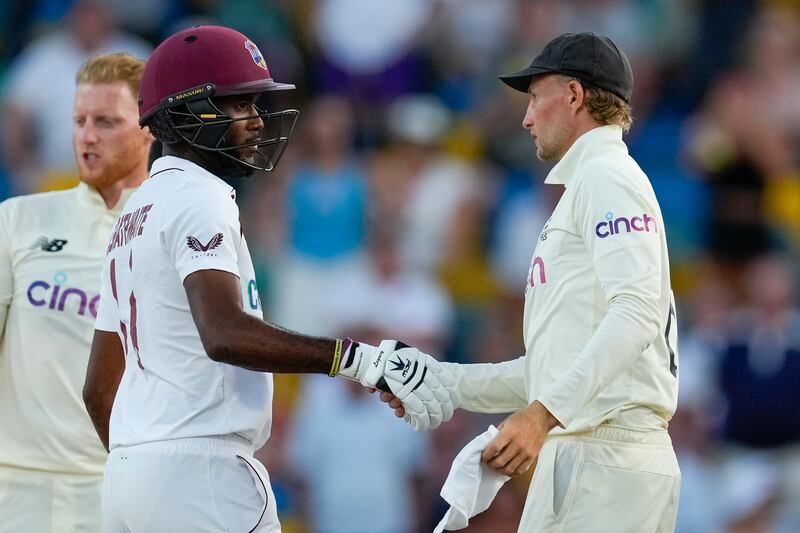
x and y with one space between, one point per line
117 149
552 148
552 133
242 109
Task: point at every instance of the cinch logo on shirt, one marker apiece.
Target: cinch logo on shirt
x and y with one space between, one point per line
252 295
537 264
613 226
41 293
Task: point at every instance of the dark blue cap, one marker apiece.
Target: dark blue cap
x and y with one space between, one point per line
591 58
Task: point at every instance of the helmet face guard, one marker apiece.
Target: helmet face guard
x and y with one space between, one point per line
204 126
179 82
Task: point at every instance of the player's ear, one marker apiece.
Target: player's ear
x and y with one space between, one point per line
576 94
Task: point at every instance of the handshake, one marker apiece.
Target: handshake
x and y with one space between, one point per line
426 388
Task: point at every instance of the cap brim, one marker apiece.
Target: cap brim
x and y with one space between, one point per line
521 80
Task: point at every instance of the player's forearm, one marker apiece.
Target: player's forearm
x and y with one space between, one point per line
248 342
103 374
624 333
99 409
491 387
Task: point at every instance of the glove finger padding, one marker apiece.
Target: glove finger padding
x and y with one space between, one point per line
416 414
420 401
444 390
414 378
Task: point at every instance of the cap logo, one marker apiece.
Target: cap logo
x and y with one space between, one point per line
255 53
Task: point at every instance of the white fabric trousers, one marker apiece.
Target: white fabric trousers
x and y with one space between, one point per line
46 502
202 485
612 479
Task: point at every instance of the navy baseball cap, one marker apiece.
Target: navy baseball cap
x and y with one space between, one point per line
591 58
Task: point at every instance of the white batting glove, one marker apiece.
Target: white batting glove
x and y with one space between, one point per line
425 387
364 363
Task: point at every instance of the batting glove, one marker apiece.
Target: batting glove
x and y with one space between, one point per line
364 363
426 388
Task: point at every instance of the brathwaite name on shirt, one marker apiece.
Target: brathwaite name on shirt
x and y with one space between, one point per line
128 226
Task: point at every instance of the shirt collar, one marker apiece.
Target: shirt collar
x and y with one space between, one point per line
595 141
171 162
90 197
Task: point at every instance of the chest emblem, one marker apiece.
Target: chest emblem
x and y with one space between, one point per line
48 245
197 246
543 234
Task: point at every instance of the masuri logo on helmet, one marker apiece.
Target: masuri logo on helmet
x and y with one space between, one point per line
184 75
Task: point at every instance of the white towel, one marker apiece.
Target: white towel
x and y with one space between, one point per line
471 484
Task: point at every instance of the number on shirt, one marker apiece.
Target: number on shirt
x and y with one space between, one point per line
134 329
671 337
134 333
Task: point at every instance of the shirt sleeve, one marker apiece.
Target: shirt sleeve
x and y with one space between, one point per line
6 274
620 224
108 309
201 231
491 387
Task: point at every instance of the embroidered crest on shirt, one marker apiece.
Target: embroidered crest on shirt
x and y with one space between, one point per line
197 246
54 245
543 234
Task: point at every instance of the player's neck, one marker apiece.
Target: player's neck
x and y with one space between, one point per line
112 193
190 155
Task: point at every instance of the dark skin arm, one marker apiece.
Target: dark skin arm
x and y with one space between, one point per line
106 364
232 336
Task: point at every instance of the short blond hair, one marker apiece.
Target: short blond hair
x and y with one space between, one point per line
604 106
607 108
110 68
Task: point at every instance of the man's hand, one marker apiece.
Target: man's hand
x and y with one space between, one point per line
420 389
365 363
395 403
416 385
521 436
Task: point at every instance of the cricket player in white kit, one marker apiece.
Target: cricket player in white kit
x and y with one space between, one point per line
180 310
598 383
51 251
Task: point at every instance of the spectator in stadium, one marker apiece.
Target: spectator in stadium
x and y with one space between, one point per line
325 219
347 453
39 93
759 374
51 252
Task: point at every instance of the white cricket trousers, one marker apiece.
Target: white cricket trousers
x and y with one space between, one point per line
33 501
198 485
611 480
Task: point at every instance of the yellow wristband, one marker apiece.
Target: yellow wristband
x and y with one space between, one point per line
337 358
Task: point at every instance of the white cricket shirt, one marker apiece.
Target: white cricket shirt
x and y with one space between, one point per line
182 219
51 252
599 325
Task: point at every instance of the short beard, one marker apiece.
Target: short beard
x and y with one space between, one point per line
554 150
113 173
547 153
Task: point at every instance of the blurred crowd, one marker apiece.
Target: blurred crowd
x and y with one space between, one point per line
409 202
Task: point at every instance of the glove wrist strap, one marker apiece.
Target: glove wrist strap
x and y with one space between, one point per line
337 358
343 356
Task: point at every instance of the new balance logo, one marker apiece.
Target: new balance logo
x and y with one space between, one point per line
56 245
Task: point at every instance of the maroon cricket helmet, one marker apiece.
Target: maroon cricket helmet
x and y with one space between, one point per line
189 69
